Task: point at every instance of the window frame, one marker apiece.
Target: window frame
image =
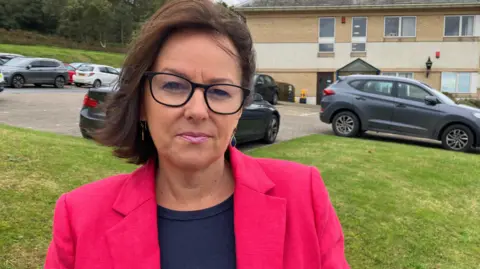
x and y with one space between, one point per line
399 26
357 39
456 82
327 40
460 26
407 98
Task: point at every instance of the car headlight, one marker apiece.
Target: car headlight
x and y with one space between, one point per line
476 115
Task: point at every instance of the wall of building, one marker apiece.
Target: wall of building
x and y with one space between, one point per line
459 56
303 27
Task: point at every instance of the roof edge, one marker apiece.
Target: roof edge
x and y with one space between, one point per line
363 7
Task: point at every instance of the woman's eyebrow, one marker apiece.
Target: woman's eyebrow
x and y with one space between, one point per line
217 80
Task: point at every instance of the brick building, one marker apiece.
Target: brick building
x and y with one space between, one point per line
309 43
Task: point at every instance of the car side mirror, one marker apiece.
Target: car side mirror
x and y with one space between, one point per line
431 100
28 67
257 97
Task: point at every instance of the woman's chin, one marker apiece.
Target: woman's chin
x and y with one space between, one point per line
194 157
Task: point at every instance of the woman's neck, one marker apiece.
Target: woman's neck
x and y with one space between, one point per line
182 190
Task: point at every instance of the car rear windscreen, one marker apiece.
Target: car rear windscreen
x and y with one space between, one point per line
85 68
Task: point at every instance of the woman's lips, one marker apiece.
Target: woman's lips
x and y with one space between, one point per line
195 138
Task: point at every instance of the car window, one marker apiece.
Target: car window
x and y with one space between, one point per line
54 64
268 80
357 84
376 87
85 68
411 92
49 64
112 71
102 69
36 64
69 67
260 80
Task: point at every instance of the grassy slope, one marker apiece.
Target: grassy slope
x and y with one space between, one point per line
66 55
400 206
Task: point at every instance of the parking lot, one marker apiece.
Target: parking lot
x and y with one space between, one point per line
57 111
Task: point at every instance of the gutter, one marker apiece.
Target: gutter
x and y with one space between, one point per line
359 7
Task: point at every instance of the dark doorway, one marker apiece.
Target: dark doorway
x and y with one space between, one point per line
324 79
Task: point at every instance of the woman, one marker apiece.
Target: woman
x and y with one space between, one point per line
195 201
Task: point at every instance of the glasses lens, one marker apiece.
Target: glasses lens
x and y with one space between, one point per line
170 90
224 98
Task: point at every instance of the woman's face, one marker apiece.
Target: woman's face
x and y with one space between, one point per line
192 136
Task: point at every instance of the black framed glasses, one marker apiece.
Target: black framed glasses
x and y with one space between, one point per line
175 91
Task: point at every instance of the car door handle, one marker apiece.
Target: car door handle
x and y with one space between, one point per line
401 105
360 98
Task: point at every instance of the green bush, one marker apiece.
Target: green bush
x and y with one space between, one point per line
470 102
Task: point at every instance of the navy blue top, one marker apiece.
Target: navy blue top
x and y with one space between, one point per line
202 239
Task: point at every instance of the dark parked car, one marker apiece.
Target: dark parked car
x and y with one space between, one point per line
259 121
22 70
358 103
267 87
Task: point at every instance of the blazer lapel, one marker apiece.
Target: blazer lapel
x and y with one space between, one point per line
133 242
259 219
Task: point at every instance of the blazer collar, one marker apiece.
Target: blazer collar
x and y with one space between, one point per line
259 219
138 188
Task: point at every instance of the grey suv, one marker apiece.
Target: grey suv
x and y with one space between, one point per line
358 103
21 70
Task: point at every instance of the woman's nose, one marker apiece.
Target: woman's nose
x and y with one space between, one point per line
197 107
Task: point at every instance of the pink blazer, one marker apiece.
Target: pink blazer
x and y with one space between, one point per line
283 218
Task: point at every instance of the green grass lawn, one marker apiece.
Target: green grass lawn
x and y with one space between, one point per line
66 55
401 206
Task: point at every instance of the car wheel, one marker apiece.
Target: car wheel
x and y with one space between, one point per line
272 130
97 83
457 138
59 82
346 124
275 99
38 85
18 81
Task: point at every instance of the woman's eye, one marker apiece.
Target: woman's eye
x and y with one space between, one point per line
172 85
219 93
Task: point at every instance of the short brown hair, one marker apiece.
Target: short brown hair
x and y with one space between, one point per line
122 129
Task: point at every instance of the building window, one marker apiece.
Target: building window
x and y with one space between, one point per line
456 82
399 74
459 25
326 35
359 34
400 26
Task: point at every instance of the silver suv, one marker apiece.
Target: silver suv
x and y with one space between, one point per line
359 103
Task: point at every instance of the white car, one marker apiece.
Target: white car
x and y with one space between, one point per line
95 75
